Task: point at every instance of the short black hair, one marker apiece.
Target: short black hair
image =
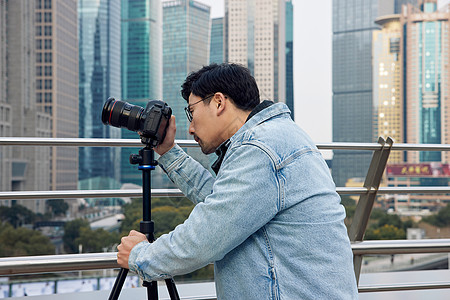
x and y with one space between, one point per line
233 80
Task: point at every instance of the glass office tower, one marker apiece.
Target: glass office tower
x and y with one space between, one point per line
141 66
387 82
186 48
99 78
216 48
289 56
353 23
426 60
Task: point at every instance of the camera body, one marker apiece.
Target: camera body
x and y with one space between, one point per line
150 122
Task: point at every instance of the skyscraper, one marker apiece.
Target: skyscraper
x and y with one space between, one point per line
25 168
99 78
255 37
186 48
216 48
388 82
57 82
289 19
428 78
141 35
353 24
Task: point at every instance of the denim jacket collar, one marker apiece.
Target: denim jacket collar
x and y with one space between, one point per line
261 116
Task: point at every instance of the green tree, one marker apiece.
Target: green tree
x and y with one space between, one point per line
385 232
441 219
96 240
17 215
167 213
23 242
387 219
57 206
72 231
166 218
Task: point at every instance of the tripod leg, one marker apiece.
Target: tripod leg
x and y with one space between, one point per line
118 284
172 289
152 289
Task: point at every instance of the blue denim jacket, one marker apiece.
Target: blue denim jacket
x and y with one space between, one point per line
271 221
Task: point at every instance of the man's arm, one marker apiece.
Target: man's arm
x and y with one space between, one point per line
245 197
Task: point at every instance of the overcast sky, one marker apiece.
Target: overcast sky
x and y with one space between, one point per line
312 64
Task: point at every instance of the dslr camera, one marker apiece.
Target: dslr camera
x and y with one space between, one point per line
150 122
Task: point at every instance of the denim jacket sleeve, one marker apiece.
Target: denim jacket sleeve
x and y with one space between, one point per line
244 197
190 176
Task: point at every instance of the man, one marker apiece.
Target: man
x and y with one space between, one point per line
271 220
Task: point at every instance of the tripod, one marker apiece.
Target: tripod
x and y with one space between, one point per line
146 162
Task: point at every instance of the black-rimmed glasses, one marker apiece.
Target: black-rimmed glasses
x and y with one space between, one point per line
187 109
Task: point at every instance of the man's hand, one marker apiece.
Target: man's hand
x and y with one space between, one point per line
169 140
127 243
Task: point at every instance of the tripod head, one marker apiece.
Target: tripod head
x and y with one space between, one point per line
145 158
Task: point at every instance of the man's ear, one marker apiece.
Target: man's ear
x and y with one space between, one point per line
220 103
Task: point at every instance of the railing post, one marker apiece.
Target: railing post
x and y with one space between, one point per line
365 203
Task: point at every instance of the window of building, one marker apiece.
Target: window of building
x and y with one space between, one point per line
38 17
48 84
38 30
48 44
48 70
47 4
48 17
39 57
48 97
48 30
48 57
39 71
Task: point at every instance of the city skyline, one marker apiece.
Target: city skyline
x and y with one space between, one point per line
312 88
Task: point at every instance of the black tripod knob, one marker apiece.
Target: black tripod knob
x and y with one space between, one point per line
135 159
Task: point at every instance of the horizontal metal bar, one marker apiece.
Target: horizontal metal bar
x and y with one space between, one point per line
67 194
90 261
403 287
87 194
81 142
101 142
57 263
401 246
394 190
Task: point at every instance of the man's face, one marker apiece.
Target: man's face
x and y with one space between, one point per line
204 126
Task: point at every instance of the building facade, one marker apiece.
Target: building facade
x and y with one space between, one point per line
99 78
141 66
427 78
217 43
255 36
187 30
289 20
23 168
388 82
352 82
57 83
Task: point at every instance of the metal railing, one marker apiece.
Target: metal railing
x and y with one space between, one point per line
381 151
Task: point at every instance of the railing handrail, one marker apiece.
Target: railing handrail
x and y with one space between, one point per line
79 262
107 260
68 194
102 142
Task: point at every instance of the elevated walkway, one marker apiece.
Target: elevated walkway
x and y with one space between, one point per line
386 285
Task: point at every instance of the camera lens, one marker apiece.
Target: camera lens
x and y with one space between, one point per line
122 114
